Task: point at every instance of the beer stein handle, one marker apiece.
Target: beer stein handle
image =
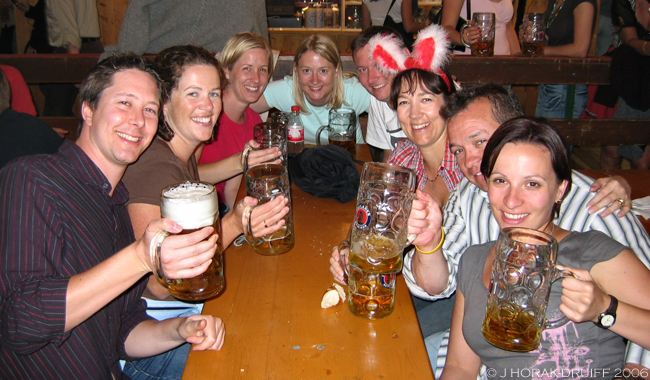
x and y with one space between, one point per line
319 132
345 244
560 273
155 248
411 237
244 157
248 228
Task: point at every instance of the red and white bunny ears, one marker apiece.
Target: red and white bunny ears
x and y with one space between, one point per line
430 52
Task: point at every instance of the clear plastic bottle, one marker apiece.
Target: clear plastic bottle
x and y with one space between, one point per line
296 132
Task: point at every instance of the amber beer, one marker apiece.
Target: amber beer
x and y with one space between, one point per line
510 327
194 205
483 49
532 49
371 295
265 182
344 141
376 253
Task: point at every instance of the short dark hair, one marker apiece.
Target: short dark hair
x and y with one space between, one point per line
505 103
411 78
100 77
5 92
535 131
362 39
171 64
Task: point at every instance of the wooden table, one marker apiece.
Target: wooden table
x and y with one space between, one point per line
639 181
275 327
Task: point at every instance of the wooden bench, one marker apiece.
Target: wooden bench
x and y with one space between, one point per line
525 71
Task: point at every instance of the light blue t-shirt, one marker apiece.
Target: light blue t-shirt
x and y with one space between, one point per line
279 94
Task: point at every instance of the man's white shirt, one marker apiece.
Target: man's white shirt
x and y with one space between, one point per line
384 130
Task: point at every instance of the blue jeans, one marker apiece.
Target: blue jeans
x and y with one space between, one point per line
171 364
552 101
166 366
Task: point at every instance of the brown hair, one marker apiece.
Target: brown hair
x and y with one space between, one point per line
171 64
535 131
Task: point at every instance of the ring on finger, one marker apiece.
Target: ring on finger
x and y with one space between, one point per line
622 202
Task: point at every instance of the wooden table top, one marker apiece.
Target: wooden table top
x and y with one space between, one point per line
275 327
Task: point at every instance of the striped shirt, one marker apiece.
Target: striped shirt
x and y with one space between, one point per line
468 220
408 154
58 220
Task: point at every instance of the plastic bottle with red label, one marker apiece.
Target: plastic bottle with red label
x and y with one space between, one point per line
296 132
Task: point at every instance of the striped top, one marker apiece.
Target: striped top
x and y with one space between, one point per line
58 220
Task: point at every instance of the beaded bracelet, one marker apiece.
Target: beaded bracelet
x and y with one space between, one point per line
442 240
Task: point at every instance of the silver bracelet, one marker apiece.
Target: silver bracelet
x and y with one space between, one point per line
462 29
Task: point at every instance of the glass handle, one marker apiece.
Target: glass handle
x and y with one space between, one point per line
319 132
561 273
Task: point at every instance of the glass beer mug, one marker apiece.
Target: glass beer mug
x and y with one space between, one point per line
265 182
193 205
532 34
342 129
484 46
270 134
380 232
522 274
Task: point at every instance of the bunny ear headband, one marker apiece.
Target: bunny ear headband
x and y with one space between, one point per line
430 52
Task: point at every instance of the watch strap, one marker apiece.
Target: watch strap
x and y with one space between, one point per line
611 311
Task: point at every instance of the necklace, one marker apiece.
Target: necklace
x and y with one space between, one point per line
433 182
554 12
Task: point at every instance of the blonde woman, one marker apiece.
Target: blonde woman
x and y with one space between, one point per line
248 65
318 84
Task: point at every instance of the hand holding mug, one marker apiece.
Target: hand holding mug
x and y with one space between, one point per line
582 299
425 221
339 262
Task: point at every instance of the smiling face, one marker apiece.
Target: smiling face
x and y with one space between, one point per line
377 83
523 186
124 121
419 115
194 105
316 77
468 133
249 76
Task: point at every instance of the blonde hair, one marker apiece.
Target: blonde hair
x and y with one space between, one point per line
239 44
326 48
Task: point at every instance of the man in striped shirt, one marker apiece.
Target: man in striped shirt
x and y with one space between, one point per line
71 272
472 116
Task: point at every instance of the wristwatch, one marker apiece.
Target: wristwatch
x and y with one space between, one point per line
607 318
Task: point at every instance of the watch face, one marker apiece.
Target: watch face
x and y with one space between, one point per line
607 320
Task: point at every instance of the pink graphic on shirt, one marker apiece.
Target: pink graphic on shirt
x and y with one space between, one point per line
561 355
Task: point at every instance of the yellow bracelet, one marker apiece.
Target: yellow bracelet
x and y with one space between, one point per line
442 240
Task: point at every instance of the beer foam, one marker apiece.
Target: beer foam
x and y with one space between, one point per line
190 204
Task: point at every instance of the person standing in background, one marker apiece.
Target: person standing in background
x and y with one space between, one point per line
150 26
569 24
72 28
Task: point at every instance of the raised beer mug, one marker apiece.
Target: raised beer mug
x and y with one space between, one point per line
193 205
520 284
265 182
270 134
342 129
532 34
484 46
380 233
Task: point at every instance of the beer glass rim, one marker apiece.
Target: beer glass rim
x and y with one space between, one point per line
213 189
508 231
282 168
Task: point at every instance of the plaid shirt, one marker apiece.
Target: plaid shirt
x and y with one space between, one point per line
408 154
